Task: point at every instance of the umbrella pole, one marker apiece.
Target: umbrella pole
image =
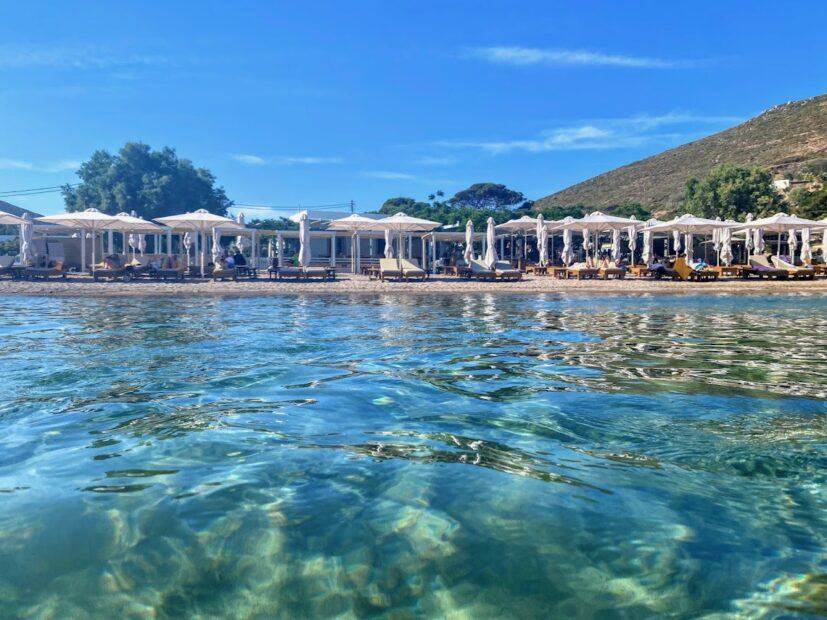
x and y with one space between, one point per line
203 242
82 251
93 251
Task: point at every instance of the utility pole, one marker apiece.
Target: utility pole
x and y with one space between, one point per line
352 205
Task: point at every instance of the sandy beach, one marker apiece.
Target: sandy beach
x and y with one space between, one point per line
79 286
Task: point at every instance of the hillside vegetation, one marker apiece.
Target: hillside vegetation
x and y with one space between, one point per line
784 139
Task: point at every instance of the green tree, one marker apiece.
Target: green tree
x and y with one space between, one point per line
731 192
151 183
810 204
273 223
487 196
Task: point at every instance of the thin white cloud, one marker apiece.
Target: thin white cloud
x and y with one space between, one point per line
58 166
526 56
74 58
256 160
388 175
599 135
252 160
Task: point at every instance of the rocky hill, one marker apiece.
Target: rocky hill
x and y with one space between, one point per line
783 139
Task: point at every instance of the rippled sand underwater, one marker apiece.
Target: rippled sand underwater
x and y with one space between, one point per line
469 457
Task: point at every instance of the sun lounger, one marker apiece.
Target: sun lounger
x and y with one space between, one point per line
389 268
316 272
640 271
504 271
55 270
410 269
481 272
686 272
760 266
283 273
799 273
612 271
581 271
223 273
169 270
103 271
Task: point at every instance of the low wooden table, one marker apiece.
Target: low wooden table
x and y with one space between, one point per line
559 272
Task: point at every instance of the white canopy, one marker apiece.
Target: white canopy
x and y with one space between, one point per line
524 224
239 240
806 249
124 222
631 232
648 255
781 222
216 246
7 219
353 223
200 221
91 220
597 222
725 246
186 241
401 222
388 244
690 224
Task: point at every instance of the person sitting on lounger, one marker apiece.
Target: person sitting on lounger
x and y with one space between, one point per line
239 259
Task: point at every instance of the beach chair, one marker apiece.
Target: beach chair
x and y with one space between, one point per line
686 272
284 273
320 273
581 271
411 269
640 271
798 273
759 265
504 271
111 269
224 273
389 269
612 271
169 270
55 269
480 272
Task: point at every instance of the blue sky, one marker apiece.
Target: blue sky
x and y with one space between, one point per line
323 102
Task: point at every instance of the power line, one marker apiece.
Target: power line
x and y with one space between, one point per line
35 190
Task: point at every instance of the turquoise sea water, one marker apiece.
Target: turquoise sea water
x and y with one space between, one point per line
472 456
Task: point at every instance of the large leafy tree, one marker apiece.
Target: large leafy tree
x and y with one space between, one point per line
731 192
487 196
151 183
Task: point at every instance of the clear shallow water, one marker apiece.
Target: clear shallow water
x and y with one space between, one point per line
482 456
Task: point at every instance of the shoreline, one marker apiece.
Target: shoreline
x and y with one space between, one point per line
348 284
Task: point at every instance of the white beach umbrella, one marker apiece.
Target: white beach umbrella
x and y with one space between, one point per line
490 245
780 223
676 241
26 245
792 242
758 238
132 241
543 243
468 255
616 244
806 250
124 222
8 219
648 254
524 224
186 241
631 233
401 222
725 241
141 243
567 256
240 241
353 223
304 241
201 222
749 241
689 246
91 221
597 223
216 246
388 244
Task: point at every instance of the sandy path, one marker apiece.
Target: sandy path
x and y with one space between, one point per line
348 284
